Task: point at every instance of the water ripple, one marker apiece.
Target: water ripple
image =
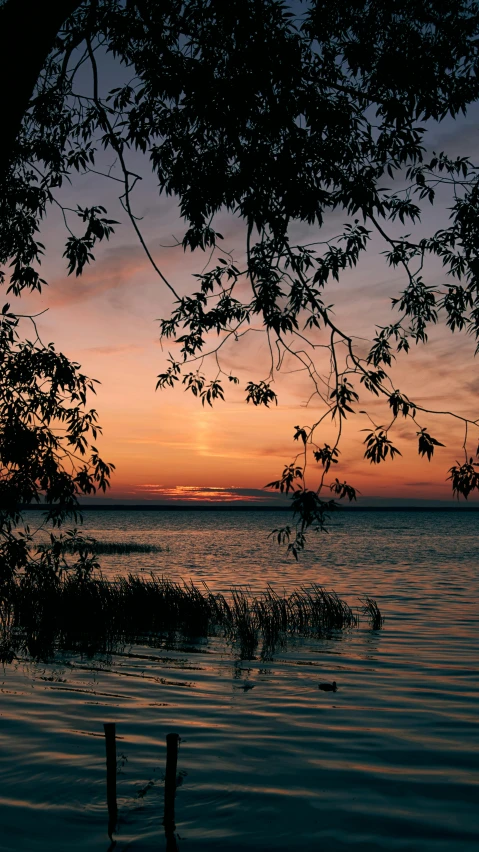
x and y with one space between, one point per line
388 762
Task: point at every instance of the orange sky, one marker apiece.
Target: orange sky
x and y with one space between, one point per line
165 441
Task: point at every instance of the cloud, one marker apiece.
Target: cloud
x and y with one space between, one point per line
113 350
458 138
473 386
116 269
204 494
112 270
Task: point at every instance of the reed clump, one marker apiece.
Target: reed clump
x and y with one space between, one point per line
92 613
121 548
372 611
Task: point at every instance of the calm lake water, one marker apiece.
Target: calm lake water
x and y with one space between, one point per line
388 762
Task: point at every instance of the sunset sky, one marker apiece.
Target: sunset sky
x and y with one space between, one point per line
165 444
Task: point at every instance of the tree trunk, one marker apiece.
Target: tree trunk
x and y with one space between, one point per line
27 34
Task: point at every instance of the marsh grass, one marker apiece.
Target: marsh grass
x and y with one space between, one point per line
94 614
372 611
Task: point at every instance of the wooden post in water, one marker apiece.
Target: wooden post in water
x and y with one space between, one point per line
172 741
110 742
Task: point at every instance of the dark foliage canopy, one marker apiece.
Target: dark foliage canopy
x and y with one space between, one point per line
278 113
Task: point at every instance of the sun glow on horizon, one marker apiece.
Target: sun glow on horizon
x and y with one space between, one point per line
197 493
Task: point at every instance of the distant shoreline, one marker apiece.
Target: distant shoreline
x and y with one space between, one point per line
226 507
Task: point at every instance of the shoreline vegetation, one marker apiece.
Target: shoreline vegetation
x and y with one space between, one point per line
42 616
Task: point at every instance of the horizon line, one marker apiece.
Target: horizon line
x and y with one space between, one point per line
248 507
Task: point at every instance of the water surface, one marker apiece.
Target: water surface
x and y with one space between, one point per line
389 762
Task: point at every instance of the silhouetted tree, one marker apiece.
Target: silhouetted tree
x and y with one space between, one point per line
279 114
